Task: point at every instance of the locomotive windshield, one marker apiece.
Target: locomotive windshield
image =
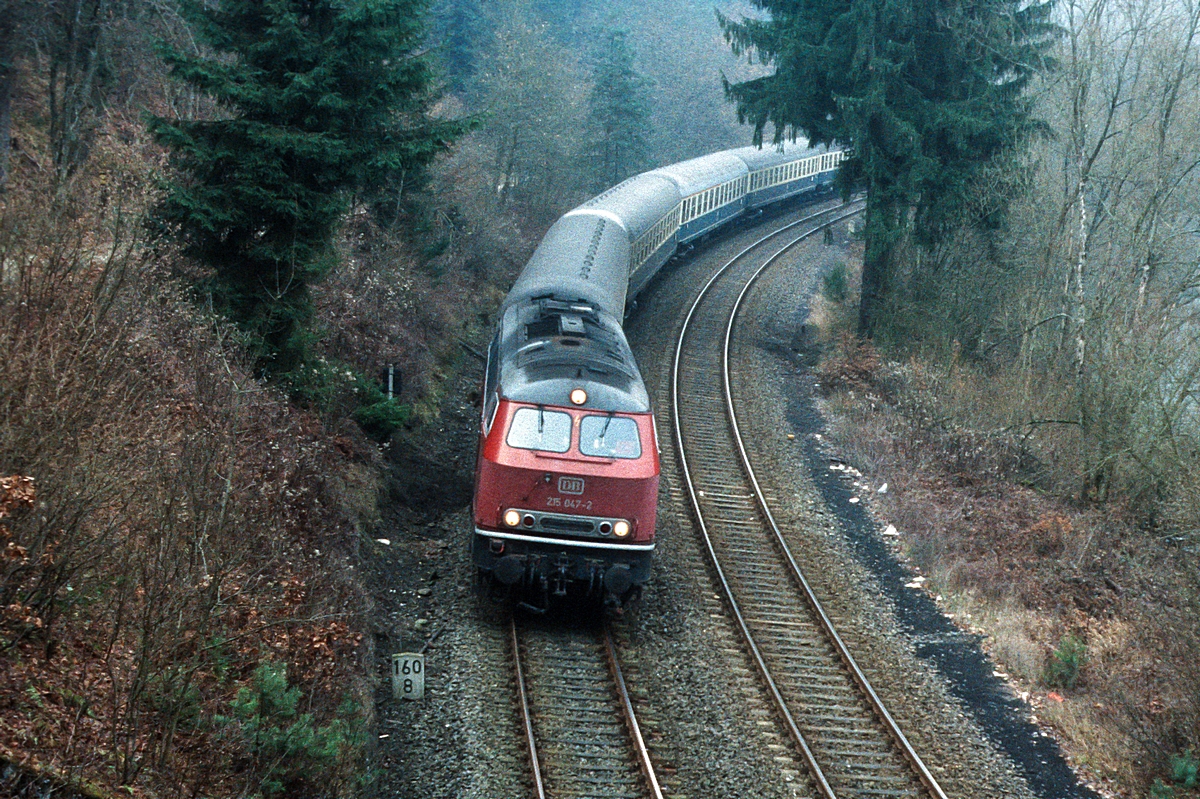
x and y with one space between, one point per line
537 428
609 437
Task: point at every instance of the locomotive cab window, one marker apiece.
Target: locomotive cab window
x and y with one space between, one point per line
491 396
609 437
537 428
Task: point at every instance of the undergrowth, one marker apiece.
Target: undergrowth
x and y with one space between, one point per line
169 522
985 490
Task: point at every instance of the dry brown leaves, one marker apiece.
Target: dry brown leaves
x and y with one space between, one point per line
16 491
854 364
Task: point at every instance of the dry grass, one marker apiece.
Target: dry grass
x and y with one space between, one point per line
188 523
987 511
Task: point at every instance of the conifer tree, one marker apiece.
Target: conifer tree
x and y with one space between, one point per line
926 92
460 28
321 99
618 113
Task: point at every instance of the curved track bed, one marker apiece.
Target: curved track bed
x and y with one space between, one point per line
844 734
583 736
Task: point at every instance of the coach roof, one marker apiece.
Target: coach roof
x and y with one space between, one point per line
703 173
583 258
770 155
638 202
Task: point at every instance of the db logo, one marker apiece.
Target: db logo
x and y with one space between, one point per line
570 485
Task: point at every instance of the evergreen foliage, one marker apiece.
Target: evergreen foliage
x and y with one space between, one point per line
459 28
291 754
618 113
323 99
926 92
1066 663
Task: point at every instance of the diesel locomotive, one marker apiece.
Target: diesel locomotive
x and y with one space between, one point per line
566 480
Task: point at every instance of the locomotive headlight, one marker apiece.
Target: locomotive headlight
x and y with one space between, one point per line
621 528
512 518
578 396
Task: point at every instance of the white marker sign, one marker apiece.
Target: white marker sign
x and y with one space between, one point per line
408 675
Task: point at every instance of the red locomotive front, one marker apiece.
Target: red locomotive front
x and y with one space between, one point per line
566 495
567 476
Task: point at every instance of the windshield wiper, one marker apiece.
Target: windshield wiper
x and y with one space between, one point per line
604 429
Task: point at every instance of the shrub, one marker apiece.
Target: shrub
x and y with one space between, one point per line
324 386
1160 790
833 284
1066 663
175 495
290 752
333 389
1185 769
379 416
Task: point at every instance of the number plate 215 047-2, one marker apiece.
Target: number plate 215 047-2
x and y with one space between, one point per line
408 675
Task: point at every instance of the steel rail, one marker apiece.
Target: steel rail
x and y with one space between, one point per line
831 632
539 787
635 730
810 760
641 752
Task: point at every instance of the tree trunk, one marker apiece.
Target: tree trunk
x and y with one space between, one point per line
73 89
8 78
881 230
1080 291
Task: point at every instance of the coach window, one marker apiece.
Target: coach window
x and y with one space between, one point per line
540 429
609 437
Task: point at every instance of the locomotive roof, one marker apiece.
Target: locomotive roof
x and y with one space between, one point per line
703 173
550 346
583 258
638 202
770 155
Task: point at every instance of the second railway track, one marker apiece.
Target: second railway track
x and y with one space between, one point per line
848 740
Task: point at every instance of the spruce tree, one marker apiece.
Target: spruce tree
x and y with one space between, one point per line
926 92
460 28
319 99
618 113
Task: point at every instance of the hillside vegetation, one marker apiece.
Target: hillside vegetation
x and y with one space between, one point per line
1030 394
179 608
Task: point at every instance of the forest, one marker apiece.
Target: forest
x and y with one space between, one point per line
220 222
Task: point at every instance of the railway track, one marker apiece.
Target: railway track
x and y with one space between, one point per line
844 734
583 736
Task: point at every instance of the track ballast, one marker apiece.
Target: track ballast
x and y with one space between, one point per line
850 743
583 737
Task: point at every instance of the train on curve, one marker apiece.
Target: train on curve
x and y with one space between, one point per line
566 479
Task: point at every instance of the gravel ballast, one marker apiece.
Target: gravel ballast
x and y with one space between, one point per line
702 709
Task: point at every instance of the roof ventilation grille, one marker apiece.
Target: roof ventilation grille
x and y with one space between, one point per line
571 325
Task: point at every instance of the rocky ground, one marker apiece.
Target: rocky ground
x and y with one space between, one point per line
706 722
